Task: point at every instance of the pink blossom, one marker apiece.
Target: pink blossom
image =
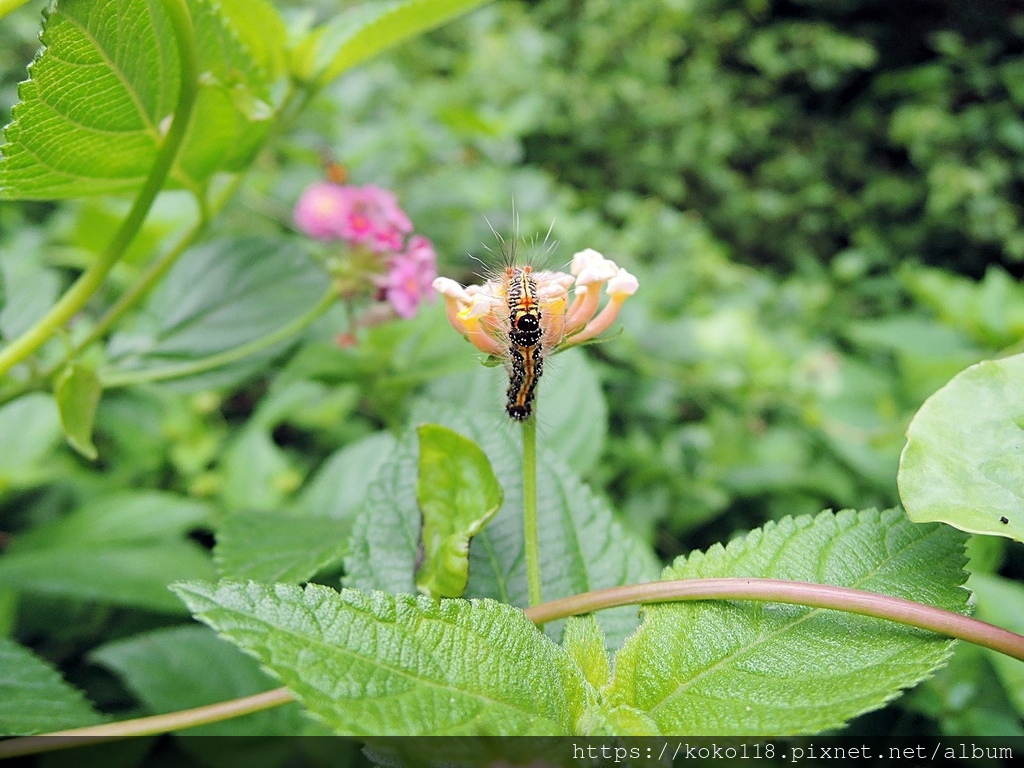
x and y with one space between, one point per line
320 208
410 277
372 217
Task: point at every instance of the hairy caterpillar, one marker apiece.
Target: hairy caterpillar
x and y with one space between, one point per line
526 360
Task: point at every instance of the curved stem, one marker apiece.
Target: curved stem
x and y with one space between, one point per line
193 367
857 601
531 543
845 599
90 281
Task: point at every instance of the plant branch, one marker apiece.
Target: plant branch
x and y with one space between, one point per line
856 601
92 278
531 544
204 364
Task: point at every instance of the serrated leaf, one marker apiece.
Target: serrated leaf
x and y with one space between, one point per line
77 392
369 28
458 495
370 664
132 575
582 546
189 666
92 116
741 668
218 297
34 698
286 547
965 452
584 642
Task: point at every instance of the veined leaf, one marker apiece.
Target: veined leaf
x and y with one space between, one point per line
582 545
965 452
34 698
402 665
218 297
458 494
93 113
77 392
739 668
189 666
369 28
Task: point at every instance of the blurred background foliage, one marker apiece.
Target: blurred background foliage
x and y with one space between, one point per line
822 200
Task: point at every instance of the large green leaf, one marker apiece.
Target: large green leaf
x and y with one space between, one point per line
729 668
458 495
34 698
400 665
278 546
133 575
216 298
189 666
93 113
369 28
964 456
582 546
571 411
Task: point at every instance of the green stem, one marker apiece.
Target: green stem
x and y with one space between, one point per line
194 367
856 601
90 281
531 543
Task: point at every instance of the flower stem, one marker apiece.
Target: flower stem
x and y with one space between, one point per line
856 601
204 364
92 278
531 544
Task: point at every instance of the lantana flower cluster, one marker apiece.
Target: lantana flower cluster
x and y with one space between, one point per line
384 252
481 313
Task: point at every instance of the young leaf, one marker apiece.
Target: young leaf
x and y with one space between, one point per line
92 114
189 666
77 392
401 665
965 455
732 668
34 698
458 495
583 546
216 298
584 642
367 29
270 546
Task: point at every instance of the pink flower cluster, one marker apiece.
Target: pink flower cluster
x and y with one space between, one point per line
369 219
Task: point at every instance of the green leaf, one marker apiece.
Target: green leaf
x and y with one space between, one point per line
131 575
77 392
128 517
732 668
34 698
965 454
286 547
369 28
1001 602
29 430
218 297
584 642
583 547
458 495
401 665
93 113
189 666
571 409
340 485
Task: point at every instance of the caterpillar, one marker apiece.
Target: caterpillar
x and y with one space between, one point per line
526 361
